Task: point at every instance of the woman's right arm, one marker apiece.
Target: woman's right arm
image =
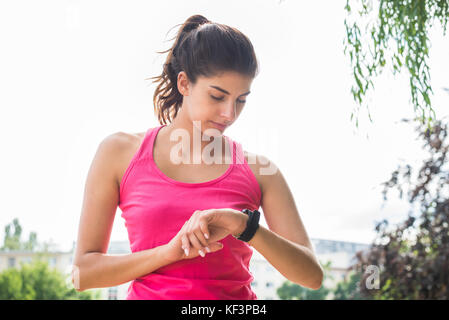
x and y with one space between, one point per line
92 267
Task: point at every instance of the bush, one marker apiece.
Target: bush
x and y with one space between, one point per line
37 281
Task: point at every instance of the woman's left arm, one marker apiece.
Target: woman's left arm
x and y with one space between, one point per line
285 244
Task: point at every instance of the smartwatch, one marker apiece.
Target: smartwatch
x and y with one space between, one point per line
252 224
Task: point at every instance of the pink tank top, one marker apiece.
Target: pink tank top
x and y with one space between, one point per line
155 206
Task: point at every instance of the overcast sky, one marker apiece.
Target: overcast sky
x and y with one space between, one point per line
72 72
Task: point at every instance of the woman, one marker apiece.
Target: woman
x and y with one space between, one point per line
185 214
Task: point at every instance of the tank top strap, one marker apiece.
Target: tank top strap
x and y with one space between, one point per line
231 145
148 142
242 168
237 150
239 157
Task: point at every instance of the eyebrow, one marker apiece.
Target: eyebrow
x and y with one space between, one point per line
224 91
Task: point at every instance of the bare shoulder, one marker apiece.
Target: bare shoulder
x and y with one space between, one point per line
262 167
119 142
121 146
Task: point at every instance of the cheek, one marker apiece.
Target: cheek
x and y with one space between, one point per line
239 109
201 110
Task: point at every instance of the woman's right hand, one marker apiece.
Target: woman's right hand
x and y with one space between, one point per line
176 251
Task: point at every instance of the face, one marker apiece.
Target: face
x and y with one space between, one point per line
218 99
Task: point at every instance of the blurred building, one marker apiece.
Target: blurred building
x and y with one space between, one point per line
341 254
62 261
117 292
266 278
266 281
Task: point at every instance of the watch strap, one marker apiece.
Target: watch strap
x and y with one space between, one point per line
252 225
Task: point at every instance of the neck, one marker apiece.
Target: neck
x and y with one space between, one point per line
194 141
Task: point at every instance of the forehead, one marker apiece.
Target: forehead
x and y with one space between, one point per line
228 80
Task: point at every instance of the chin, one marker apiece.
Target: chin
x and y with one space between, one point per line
212 131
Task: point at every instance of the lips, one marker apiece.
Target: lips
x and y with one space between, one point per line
219 125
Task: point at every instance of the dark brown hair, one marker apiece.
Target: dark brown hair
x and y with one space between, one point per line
201 48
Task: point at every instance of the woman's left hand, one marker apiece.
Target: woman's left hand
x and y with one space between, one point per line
211 225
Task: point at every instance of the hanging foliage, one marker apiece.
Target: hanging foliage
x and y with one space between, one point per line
394 31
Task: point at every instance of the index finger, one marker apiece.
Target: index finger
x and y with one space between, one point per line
204 227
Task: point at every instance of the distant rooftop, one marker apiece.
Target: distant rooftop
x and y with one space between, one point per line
329 246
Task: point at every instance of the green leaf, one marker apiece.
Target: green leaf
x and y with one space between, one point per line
426 97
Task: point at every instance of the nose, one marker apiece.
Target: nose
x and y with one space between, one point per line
228 113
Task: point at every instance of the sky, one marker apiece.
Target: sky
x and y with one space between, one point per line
73 72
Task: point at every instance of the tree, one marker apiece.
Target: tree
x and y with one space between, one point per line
12 240
413 257
293 291
349 289
37 281
397 31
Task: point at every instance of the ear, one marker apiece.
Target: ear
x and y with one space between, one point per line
183 84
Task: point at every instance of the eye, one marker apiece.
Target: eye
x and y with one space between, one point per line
220 99
216 98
